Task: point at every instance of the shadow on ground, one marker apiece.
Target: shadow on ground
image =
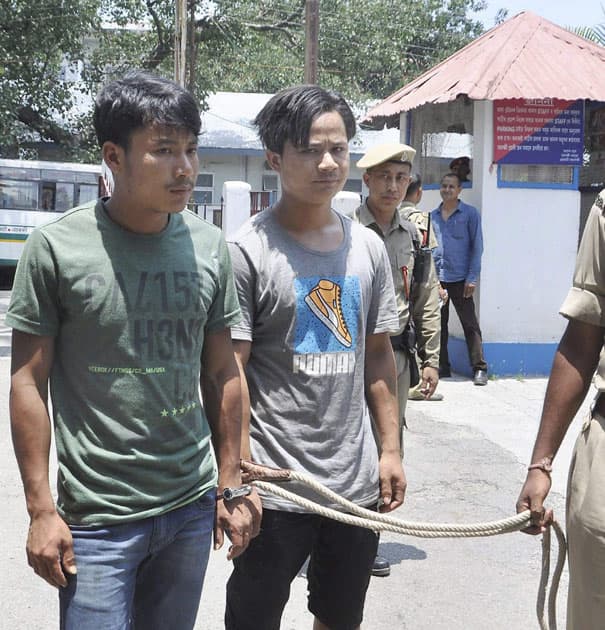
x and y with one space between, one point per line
396 552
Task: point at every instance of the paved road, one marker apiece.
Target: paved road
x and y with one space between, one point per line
465 461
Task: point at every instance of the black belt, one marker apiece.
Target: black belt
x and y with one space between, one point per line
399 342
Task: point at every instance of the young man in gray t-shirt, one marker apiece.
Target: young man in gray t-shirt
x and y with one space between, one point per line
318 305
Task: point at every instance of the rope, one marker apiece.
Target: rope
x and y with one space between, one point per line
362 517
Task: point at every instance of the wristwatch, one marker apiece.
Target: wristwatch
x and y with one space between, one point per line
230 494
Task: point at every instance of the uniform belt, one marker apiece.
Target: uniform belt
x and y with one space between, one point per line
398 342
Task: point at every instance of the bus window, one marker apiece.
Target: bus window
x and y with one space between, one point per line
17 194
87 192
65 197
47 200
56 196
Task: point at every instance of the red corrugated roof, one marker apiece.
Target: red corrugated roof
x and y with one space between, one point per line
525 57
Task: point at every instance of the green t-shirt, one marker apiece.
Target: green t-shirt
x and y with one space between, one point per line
129 313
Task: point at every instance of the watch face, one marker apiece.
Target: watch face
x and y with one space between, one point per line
233 493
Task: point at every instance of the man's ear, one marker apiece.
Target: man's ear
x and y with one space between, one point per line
366 178
113 154
274 160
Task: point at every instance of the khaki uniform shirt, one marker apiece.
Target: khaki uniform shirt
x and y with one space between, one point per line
421 220
424 296
586 299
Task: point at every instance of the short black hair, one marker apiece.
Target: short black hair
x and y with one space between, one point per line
289 114
414 185
459 161
139 99
454 175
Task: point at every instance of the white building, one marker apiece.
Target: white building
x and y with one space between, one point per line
230 150
525 101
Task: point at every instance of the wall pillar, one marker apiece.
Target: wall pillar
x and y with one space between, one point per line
236 206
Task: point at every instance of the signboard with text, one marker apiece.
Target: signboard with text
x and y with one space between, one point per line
538 131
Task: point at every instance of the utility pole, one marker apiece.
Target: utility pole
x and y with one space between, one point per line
311 40
180 41
192 48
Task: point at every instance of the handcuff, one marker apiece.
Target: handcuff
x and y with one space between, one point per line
230 494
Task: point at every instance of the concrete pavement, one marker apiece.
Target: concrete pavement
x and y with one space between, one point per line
465 462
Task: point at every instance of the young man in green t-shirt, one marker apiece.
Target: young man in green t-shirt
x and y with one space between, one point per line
124 306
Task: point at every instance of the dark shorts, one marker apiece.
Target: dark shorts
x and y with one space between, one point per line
340 566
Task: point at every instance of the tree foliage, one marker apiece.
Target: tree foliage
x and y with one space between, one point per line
367 49
35 37
370 49
594 34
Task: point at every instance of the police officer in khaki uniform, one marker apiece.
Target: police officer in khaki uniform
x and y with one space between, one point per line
410 211
579 354
387 175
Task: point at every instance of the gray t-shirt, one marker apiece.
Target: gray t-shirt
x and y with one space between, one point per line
307 314
129 314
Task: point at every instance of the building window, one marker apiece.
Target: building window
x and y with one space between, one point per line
593 170
270 182
441 133
204 188
353 185
537 176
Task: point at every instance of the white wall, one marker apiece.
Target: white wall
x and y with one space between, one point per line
236 209
345 202
530 240
232 167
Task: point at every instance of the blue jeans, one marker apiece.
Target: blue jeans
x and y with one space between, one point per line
143 575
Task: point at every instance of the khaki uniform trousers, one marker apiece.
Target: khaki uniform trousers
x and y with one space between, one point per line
586 528
403 388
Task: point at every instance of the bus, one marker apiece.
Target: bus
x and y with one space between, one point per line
35 192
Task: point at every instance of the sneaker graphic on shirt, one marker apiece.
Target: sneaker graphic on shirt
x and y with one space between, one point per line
324 301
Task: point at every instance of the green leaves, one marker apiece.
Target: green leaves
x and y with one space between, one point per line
594 34
367 50
35 39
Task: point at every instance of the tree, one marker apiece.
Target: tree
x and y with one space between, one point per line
35 39
594 34
501 16
105 38
220 32
368 49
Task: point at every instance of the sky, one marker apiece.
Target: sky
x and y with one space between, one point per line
561 12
